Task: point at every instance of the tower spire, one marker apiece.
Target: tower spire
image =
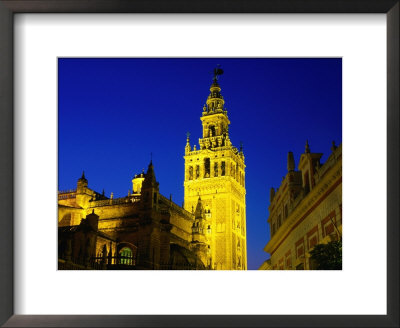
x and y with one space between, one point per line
215 101
82 183
187 147
307 147
150 177
215 118
216 166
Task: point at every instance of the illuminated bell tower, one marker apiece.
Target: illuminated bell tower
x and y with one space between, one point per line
216 173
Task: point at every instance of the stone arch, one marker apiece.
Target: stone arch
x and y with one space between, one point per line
123 244
126 253
212 131
190 172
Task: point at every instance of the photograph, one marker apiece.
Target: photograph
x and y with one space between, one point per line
198 146
199 163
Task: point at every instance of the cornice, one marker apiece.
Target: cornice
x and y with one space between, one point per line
320 191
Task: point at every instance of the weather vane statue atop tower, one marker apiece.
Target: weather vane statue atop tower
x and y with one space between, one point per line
217 72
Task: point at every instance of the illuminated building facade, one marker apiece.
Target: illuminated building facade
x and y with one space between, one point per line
215 176
305 210
145 230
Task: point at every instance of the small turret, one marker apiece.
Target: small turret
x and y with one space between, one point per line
83 193
307 150
271 194
150 177
137 183
187 148
149 192
334 147
82 184
199 210
290 162
308 166
198 224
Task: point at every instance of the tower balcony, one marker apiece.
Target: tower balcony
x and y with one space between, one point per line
212 142
215 111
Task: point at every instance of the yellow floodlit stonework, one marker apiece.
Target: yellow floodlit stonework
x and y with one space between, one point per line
215 178
145 230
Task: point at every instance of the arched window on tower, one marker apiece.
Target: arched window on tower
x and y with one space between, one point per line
216 169
223 168
206 167
212 131
190 172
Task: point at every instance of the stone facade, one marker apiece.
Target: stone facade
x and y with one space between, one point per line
208 232
144 226
305 210
215 175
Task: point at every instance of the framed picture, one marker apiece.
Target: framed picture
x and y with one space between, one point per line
62 78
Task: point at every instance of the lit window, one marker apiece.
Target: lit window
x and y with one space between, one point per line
126 256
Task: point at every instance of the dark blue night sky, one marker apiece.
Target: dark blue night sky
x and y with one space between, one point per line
114 112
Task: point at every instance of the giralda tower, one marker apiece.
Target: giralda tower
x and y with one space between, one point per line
215 188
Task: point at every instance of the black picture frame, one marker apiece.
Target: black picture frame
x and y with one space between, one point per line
10 7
